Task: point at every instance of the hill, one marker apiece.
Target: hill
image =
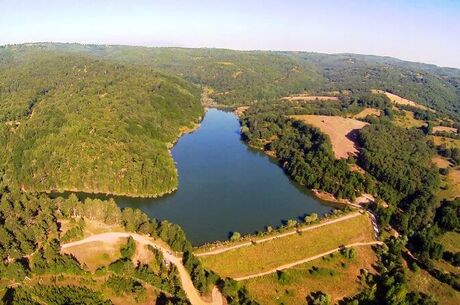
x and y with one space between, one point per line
243 77
70 122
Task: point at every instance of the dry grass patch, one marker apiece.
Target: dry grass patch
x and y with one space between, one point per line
277 252
441 162
424 282
336 276
397 100
448 142
451 188
445 129
408 120
96 254
366 112
305 97
341 131
241 110
450 241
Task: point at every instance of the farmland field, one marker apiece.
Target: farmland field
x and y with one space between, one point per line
272 254
341 131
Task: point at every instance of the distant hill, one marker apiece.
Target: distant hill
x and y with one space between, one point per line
242 77
71 122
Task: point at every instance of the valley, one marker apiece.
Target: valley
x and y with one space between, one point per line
126 177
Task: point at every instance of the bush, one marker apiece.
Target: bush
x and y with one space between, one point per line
128 250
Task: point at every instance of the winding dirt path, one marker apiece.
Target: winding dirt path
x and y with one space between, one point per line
305 260
258 241
187 284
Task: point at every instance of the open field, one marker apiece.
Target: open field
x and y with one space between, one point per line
446 266
341 131
268 255
441 162
366 112
444 128
422 281
451 184
450 241
408 120
336 276
450 143
397 100
309 98
96 254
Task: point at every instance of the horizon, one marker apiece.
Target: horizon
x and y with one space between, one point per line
415 31
218 48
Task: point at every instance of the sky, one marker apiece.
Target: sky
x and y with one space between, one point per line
424 31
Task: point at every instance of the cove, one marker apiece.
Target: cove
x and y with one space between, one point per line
226 186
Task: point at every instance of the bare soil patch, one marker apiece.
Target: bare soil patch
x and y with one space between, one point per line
96 254
341 131
402 101
305 97
445 129
240 110
441 162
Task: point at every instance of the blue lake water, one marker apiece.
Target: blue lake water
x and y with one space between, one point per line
225 186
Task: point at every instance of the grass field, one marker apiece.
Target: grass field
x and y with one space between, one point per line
340 130
408 120
450 184
450 241
441 162
397 100
424 282
366 112
444 128
96 254
336 276
274 253
310 98
450 143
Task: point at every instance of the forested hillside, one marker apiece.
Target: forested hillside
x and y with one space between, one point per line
243 77
426 84
75 123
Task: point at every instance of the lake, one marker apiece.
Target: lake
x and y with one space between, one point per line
226 186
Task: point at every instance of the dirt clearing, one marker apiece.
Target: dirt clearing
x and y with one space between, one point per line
402 101
309 98
445 129
440 162
341 131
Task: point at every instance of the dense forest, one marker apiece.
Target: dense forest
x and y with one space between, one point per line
243 77
75 123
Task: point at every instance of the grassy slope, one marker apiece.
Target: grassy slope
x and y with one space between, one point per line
424 282
83 124
274 253
337 277
450 241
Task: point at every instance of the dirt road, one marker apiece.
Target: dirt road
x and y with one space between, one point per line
187 284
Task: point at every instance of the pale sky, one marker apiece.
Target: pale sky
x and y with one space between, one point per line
425 31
